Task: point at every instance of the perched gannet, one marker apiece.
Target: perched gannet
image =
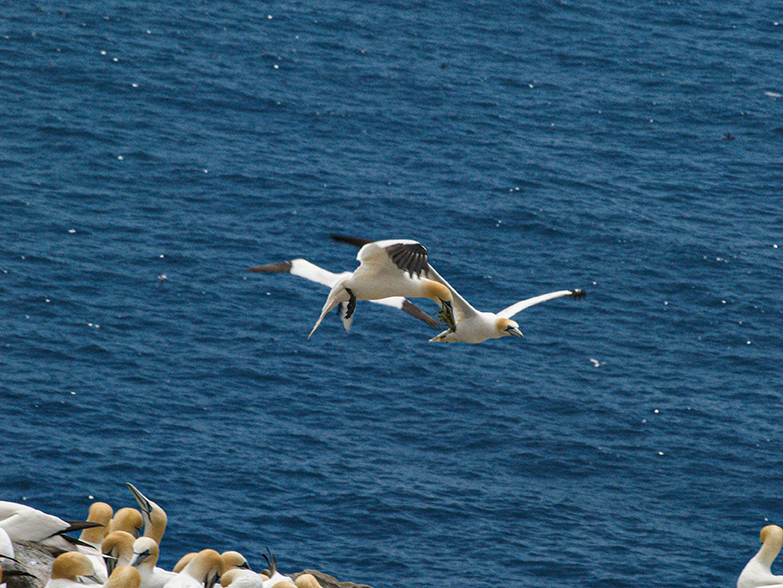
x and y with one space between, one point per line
128 520
145 556
239 578
389 268
757 572
92 537
310 271
24 523
68 570
154 516
307 581
234 560
201 572
124 577
275 577
117 550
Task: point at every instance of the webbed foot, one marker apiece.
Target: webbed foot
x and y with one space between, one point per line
446 315
351 304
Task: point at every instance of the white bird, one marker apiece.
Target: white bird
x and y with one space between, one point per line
145 556
758 572
474 326
201 572
155 518
92 537
310 271
117 550
24 523
389 268
69 569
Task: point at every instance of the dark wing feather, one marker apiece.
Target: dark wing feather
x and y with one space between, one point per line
284 267
358 242
409 257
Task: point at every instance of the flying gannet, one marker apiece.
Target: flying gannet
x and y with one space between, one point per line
757 571
389 268
474 326
310 271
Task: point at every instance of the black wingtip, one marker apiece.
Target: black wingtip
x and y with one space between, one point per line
578 293
356 241
283 267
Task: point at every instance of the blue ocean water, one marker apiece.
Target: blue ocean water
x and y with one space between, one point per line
151 152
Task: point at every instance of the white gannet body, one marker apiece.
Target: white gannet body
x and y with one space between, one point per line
24 523
155 518
474 326
758 572
241 578
202 571
68 570
310 271
389 268
6 545
145 556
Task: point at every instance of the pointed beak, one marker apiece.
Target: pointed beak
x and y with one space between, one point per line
144 504
514 331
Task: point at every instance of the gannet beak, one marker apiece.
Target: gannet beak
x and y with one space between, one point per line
514 331
144 504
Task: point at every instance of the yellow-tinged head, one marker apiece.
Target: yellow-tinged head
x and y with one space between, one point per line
506 327
71 565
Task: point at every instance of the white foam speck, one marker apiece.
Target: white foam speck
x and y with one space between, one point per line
71 231
120 157
595 362
773 94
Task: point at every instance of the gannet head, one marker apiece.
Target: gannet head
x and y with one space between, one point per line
124 577
145 549
508 327
771 533
234 559
441 295
117 547
205 567
71 565
100 512
128 520
155 518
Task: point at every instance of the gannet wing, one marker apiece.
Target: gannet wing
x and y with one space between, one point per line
523 304
462 308
303 269
310 271
393 256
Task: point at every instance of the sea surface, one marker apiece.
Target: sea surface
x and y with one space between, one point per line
151 152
